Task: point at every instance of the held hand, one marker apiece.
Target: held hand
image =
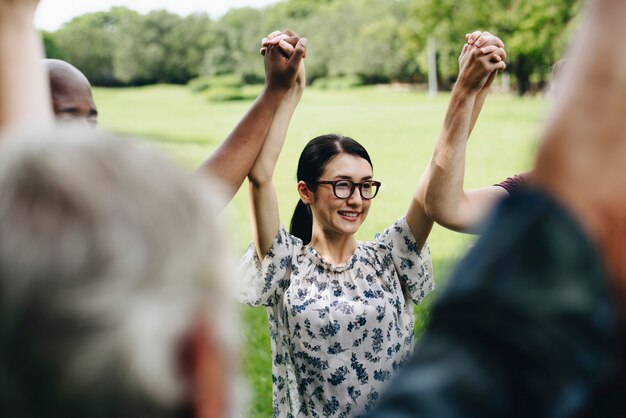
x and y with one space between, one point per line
284 54
480 59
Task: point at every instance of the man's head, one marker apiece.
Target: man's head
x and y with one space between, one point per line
112 293
72 99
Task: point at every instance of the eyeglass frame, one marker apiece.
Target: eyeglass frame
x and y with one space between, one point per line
353 186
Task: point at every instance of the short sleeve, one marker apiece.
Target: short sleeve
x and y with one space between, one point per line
413 266
515 183
263 282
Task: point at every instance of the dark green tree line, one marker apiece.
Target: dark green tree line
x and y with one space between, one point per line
370 41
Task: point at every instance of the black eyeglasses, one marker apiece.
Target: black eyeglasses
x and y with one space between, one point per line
343 189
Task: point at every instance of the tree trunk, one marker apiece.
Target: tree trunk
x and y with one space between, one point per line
521 73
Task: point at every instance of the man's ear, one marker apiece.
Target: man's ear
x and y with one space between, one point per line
306 195
206 372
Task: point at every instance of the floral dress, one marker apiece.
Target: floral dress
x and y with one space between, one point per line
338 332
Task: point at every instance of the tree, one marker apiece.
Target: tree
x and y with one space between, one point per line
535 31
88 42
51 46
235 43
161 47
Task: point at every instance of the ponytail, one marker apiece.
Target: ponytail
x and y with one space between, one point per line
302 222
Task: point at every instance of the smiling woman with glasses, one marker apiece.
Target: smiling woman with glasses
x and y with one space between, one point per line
340 311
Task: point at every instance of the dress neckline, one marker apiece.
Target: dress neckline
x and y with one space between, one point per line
337 268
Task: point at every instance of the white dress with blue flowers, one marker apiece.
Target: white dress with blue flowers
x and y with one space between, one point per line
338 333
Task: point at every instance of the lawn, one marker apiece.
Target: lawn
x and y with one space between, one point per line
398 128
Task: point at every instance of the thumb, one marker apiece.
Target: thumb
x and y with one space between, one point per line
299 53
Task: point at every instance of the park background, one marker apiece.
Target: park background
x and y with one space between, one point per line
183 82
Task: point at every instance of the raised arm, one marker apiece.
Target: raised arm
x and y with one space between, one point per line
263 201
24 92
446 201
233 159
583 155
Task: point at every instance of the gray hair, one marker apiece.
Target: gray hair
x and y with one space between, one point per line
108 253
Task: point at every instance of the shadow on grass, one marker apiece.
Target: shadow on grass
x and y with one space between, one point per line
160 138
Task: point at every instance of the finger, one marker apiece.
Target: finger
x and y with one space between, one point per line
463 51
500 53
489 49
473 36
488 39
276 39
286 48
292 40
263 50
497 54
298 54
482 39
274 34
289 32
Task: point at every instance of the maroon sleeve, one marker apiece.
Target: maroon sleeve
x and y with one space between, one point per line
514 183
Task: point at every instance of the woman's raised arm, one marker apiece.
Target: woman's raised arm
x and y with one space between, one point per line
263 200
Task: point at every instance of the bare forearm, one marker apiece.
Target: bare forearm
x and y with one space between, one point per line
263 200
417 219
478 106
232 161
263 168
265 216
444 187
24 91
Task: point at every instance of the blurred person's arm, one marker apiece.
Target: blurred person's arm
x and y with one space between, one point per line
447 203
263 199
24 90
581 161
526 326
232 160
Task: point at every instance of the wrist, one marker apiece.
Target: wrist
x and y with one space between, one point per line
17 13
273 93
467 86
462 92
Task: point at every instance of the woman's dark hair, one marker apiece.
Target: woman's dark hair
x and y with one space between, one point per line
313 160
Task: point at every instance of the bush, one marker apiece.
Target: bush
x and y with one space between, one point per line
200 84
337 83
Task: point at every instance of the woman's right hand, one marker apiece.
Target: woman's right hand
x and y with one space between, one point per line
284 65
480 59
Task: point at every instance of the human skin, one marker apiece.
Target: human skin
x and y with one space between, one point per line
583 154
72 98
447 202
25 97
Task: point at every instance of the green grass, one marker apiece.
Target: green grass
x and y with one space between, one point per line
398 129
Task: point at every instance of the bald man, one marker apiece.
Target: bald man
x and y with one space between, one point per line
72 99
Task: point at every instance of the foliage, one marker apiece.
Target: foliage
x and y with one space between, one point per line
51 47
235 45
376 41
89 42
161 47
534 31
